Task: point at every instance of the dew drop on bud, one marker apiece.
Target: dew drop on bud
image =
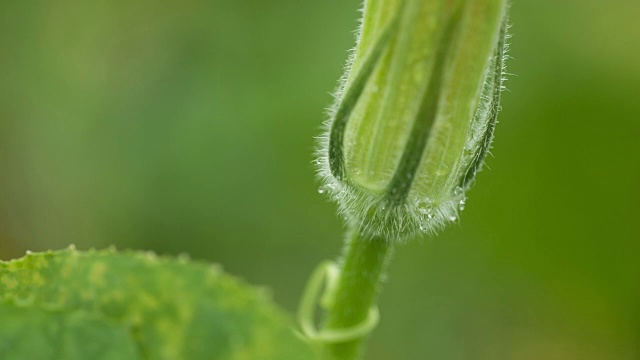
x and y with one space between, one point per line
470 145
461 204
425 206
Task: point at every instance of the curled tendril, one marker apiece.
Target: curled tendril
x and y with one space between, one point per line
327 274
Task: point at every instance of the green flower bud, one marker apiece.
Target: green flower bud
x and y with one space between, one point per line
414 114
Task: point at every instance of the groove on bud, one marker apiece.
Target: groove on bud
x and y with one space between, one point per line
414 114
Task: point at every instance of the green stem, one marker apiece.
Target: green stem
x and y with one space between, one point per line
364 264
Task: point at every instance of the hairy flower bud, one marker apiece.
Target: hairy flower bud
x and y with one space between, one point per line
414 114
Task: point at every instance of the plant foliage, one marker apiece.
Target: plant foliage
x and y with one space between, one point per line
109 305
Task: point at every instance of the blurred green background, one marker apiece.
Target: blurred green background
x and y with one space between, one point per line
187 126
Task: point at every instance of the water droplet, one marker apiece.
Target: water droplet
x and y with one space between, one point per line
458 191
453 218
425 206
321 190
470 144
461 204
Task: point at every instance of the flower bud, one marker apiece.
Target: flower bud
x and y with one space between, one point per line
414 114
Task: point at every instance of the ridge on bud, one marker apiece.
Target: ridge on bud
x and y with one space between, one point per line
414 114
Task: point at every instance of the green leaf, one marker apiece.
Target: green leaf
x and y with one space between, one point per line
107 305
35 333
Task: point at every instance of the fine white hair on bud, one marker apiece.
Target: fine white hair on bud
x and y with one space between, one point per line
414 114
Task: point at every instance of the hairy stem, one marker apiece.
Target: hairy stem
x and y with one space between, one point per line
364 264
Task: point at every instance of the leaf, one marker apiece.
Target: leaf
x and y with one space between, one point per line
35 333
107 305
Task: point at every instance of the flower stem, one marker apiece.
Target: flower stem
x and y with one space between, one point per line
364 264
